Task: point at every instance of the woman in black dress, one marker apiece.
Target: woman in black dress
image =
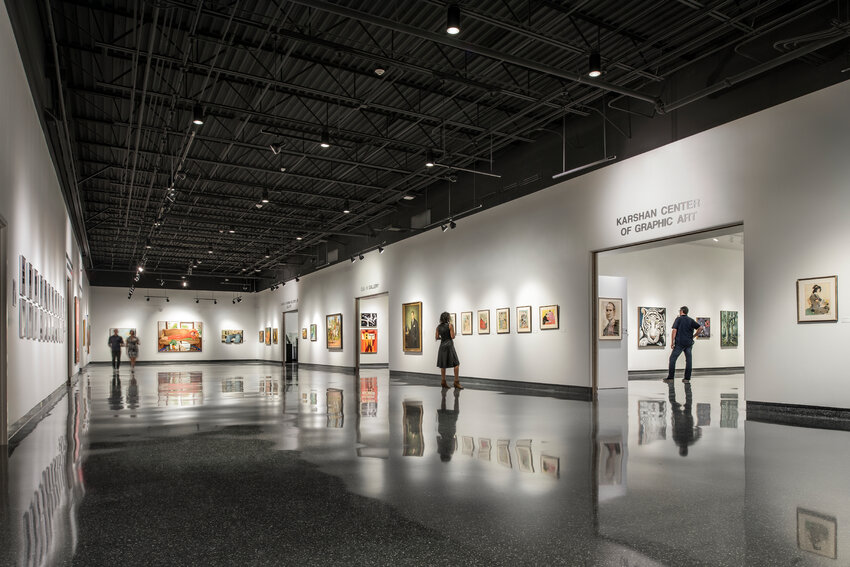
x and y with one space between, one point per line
446 356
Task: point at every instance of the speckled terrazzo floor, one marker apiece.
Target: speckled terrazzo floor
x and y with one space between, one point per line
223 464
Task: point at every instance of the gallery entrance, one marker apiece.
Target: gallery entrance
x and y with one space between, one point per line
291 336
372 332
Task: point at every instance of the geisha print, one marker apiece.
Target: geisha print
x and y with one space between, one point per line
817 305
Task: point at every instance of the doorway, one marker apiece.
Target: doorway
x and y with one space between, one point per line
371 325
291 336
4 400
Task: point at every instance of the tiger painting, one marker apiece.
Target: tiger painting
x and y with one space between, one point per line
652 327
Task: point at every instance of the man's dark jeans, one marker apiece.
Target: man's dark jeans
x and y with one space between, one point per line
674 356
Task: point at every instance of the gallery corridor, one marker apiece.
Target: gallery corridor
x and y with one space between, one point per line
215 464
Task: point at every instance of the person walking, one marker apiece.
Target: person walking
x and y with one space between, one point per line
684 332
132 349
446 356
115 343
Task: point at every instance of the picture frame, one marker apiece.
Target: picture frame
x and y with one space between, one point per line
314 332
333 331
36 287
29 281
22 319
180 336
304 333
467 445
368 341
232 336
368 320
484 448
466 322
22 275
609 318
483 321
453 321
262 337
550 317
817 300
411 326
523 319
503 320
817 533
274 336
704 331
268 336
503 452
525 457
728 329
652 327
550 466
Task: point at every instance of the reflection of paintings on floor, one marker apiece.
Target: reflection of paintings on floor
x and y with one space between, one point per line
468 445
484 448
270 387
368 320
466 322
817 299
180 388
610 465
551 466
524 457
180 336
335 415
503 452
703 415
704 331
413 444
369 397
652 421
816 533
368 341
232 336
652 330
729 410
728 328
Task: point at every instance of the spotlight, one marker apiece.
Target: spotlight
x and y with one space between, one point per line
453 20
167 300
347 208
326 138
147 299
444 227
408 197
452 225
128 297
276 148
282 284
185 283
299 238
429 159
380 249
297 279
265 198
141 268
180 176
380 71
215 301
197 300
232 229
239 299
161 283
148 244
594 64
353 259
361 256
268 253
233 301
197 115
209 251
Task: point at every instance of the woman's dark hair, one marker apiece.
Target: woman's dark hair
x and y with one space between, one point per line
444 318
816 288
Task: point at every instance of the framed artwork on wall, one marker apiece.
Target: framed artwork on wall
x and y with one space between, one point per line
704 331
523 319
610 318
22 319
29 281
652 327
550 466
333 327
483 321
268 335
503 451
36 285
728 328
180 336
525 458
816 533
274 336
368 341
368 320
817 300
262 336
453 320
466 322
304 333
76 329
411 328
503 320
549 317
232 336
313 332
22 274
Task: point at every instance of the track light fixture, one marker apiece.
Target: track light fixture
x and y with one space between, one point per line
452 225
197 300
185 283
299 238
232 229
353 259
265 198
148 244
361 257
167 300
215 301
347 208
197 114
594 64
444 227
297 279
326 138
380 249
161 283
210 251
429 159
453 20
233 301
147 299
136 279
276 148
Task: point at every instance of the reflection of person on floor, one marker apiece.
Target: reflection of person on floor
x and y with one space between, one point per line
133 394
612 461
447 427
685 433
115 400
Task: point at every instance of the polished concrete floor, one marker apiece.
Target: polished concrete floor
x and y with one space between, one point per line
223 464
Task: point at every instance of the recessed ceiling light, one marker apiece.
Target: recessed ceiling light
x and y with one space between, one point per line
408 197
716 240
298 238
380 71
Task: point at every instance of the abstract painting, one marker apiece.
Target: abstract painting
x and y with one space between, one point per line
728 328
549 317
523 319
368 320
262 336
503 320
268 335
232 336
304 333
313 332
368 341
610 322
466 322
483 321
704 331
652 323
411 328
817 299
274 336
333 326
180 336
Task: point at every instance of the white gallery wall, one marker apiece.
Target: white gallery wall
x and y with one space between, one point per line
37 227
707 279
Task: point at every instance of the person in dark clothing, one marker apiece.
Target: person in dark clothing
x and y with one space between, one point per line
115 343
685 433
447 427
682 338
446 356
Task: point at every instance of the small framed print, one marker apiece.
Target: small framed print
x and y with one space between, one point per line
14 293
333 330
503 452
704 331
262 336
483 321
466 322
484 449
503 320
610 322
22 319
22 275
29 281
313 332
816 533
453 321
523 319
304 333
467 445
36 287
525 458
817 299
549 317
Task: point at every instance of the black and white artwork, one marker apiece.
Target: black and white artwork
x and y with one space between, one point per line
22 276
368 320
652 322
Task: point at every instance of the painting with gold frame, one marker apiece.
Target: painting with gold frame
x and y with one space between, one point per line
411 326
304 333
262 336
333 328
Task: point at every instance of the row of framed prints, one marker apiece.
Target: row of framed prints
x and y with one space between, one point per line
35 288
34 323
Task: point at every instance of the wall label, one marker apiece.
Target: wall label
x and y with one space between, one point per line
659 217
369 287
290 303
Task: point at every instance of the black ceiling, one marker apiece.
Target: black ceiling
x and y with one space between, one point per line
388 86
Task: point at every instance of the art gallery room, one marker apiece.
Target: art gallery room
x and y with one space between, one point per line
279 276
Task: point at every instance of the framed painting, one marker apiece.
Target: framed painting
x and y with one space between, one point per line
304 333
232 336
333 328
76 329
268 335
549 317
36 287
274 336
704 331
180 336
313 332
728 328
411 328
262 336
503 452
816 533
503 320
22 319
29 281
652 327
368 320
368 341
453 319
610 318
466 322
483 321
523 319
817 300
22 274
551 466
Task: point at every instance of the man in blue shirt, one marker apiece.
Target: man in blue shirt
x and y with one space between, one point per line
115 343
682 338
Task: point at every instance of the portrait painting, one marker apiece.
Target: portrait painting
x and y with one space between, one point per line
728 328
549 317
523 319
368 341
268 335
610 318
180 336
466 322
232 336
313 332
816 533
368 320
333 330
817 300
704 331
483 321
652 323
503 320
411 326
274 336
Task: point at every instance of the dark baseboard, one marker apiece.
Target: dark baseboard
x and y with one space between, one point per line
661 373
125 362
799 416
559 391
22 427
376 365
328 367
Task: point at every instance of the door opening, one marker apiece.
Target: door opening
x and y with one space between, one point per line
371 331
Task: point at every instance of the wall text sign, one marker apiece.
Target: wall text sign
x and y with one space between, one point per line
659 217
